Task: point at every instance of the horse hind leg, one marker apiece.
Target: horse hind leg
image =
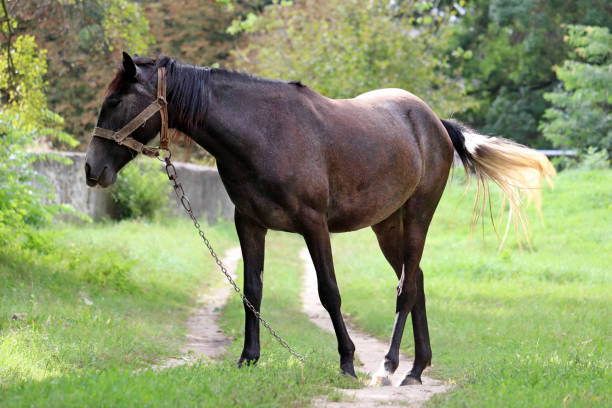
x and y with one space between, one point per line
422 347
401 238
391 243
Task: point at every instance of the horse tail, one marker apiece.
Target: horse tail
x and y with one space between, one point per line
516 169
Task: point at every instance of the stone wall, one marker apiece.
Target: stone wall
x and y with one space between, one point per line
202 185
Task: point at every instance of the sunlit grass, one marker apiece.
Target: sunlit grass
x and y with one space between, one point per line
115 302
97 296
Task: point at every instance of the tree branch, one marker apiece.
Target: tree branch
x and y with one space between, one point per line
9 38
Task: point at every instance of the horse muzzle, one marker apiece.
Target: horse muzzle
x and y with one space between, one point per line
104 177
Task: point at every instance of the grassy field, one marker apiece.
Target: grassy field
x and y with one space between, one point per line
510 328
100 301
98 296
97 302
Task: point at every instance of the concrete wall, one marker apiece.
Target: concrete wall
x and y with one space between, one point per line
202 185
205 192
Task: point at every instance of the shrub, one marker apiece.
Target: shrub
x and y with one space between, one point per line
590 159
594 159
564 163
142 190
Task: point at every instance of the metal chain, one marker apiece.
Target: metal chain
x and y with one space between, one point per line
180 194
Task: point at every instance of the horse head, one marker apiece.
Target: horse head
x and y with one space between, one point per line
130 92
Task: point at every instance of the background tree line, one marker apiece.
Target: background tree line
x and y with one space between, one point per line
497 65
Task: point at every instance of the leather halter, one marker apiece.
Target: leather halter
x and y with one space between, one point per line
122 136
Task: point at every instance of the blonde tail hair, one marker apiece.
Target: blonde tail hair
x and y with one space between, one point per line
518 170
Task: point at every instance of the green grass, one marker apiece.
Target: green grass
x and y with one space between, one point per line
510 328
98 296
142 280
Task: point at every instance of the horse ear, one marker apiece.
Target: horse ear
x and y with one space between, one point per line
128 66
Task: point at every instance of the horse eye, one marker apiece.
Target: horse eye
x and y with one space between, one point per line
113 102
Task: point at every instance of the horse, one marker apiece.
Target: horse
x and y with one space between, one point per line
296 161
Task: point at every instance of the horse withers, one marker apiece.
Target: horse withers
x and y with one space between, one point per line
294 160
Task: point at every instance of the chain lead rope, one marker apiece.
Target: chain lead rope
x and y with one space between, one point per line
180 194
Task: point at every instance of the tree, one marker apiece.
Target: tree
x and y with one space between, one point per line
512 47
581 112
344 48
84 40
196 31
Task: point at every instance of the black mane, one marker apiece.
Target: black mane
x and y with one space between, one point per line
189 86
188 89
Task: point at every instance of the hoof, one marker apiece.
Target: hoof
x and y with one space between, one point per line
351 373
348 370
380 381
247 361
411 381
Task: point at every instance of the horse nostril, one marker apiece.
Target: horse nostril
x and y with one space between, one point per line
87 170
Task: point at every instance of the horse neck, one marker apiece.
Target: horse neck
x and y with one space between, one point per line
230 120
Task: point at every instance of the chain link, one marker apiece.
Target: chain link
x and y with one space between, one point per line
180 194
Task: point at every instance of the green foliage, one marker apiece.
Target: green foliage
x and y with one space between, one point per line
514 46
238 25
142 190
344 48
590 159
23 93
593 159
25 121
84 40
564 163
20 192
125 21
581 115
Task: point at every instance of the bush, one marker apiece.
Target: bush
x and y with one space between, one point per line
594 159
142 190
564 163
590 159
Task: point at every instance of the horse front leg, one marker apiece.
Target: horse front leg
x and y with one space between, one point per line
316 235
252 243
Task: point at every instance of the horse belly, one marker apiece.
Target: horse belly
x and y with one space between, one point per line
366 206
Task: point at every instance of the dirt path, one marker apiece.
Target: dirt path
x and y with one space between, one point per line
205 339
371 352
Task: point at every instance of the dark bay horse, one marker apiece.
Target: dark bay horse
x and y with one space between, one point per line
294 160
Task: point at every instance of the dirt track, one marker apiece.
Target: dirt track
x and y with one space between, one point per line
205 339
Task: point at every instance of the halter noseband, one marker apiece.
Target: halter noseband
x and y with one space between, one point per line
122 136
